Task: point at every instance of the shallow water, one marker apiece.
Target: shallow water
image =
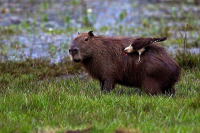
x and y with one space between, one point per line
47 29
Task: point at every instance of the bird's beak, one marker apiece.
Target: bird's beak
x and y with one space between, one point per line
129 49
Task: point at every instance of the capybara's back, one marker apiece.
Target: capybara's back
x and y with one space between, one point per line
105 60
157 72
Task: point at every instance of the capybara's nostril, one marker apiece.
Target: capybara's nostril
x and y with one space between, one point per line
75 51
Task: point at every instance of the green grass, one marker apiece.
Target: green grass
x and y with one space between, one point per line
28 104
188 60
34 96
40 68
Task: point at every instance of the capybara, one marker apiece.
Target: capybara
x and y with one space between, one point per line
139 45
104 59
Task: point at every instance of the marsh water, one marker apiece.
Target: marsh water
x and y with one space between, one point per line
40 29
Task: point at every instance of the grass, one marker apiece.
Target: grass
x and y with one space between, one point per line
29 104
41 68
188 60
38 96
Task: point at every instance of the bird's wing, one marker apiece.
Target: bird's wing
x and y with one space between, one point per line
143 42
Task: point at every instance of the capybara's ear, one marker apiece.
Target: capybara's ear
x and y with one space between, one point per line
90 33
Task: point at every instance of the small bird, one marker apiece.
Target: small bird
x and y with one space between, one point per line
139 45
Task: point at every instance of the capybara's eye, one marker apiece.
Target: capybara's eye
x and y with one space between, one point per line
86 39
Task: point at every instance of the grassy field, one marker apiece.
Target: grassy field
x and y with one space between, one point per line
56 104
40 95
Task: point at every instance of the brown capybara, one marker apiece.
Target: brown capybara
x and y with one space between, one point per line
104 59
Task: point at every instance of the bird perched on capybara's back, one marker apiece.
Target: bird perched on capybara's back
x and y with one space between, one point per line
139 45
104 59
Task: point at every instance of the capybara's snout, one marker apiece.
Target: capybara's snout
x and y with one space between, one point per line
73 51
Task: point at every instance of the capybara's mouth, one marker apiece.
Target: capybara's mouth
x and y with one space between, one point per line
77 60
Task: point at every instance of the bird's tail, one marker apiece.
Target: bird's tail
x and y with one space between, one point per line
159 39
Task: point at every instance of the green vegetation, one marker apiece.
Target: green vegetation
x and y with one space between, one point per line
37 95
188 60
29 104
41 68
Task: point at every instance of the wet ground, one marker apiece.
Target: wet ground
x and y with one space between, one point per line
36 28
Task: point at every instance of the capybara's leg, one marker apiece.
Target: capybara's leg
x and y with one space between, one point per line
151 86
107 85
102 85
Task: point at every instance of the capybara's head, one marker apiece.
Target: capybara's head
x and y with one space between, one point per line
80 49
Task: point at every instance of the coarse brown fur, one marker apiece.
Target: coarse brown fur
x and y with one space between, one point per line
103 59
